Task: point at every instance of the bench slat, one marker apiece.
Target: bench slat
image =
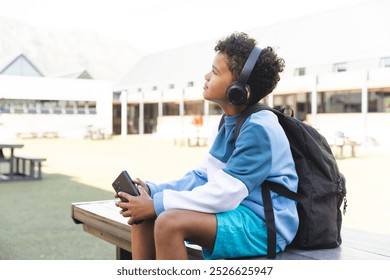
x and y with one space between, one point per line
367 241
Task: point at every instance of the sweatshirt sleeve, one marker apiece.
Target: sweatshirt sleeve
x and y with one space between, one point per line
221 193
187 183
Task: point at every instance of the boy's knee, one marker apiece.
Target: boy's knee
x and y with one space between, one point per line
166 220
168 223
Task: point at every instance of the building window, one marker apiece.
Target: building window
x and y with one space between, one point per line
385 61
190 84
171 86
155 88
340 67
171 109
5 106
116 95
192 108
300 71
24 106
339 102
379 101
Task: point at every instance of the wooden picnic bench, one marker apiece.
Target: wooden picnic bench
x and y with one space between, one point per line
9 160
20 167
102 219
339 142
29 167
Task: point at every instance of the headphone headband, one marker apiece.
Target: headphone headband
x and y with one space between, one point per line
248 66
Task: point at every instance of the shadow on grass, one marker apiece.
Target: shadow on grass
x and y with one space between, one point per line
36 221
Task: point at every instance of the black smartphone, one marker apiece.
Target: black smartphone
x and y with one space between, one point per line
124 183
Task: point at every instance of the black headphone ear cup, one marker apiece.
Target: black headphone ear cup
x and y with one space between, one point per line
237 94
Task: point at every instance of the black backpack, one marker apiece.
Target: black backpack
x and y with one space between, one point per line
321 187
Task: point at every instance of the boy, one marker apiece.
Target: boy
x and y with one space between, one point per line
219 204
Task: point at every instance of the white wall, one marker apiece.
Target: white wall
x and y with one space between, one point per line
39 88
365 129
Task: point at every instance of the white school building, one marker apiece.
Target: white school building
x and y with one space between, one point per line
337 78
47 107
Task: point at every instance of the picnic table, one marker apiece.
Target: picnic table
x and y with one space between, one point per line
8 159
340 141
19 167
102 220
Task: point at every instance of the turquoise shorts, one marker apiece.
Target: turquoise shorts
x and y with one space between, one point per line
240 233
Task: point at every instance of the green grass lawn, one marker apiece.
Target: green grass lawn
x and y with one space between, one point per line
35 216
36 221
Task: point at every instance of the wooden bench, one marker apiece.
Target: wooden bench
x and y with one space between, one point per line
29 167
102 219
339 142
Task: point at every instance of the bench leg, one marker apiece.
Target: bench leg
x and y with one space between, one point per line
23 166
16 166
39 170
20 163
339 151
32 169
35 169
122 254
353 150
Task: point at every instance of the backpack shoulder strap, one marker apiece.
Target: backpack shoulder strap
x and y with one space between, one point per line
281 190
243 116
269 221
283 112
253 109
266 189
221 121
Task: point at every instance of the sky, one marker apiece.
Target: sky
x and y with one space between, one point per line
156 25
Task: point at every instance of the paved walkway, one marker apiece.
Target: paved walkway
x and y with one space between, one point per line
98 162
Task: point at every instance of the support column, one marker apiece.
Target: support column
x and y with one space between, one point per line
206 114
314 95
181 107
160 104
365 98
206 108
124 113
271 100
141 118
365 109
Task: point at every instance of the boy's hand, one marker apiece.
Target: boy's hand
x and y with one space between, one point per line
138 207
141 183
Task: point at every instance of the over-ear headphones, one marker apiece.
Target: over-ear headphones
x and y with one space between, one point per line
238 91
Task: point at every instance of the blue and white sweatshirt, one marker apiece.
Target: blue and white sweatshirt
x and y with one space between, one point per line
232 174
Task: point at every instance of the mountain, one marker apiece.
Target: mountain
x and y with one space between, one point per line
59 52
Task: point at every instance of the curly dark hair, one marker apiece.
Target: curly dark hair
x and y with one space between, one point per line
265 74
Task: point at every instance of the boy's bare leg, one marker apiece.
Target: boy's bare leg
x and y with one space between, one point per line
173 227
142 240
